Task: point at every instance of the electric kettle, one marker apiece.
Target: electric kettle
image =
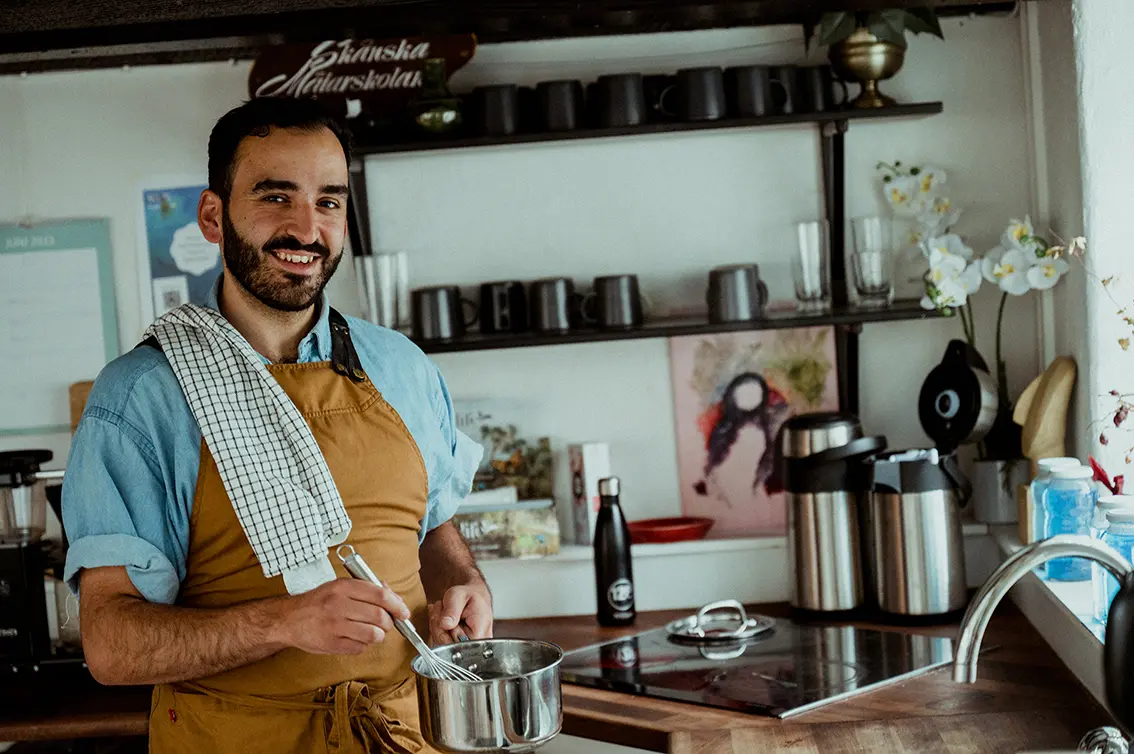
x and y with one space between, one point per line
958 403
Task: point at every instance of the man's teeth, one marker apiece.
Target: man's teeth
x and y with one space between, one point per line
296 258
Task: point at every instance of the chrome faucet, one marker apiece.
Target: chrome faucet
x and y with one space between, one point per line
988 597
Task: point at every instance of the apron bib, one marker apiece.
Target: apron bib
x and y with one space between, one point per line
294 701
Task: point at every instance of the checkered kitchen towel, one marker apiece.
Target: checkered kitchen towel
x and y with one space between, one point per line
271 466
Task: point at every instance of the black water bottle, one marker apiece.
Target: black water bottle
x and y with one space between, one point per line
614 580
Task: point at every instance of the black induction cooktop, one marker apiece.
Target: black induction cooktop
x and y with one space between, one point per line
789 669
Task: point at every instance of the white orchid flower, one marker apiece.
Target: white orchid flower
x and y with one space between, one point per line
1046 273
930 182
943 265
948 245
902 194
913 235
950 280
946 292
1016 232
944 214
1008 269
1021 235
970 279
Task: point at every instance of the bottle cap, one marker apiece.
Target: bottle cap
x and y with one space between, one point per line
1120 516
1050 464
1072 472
608 486
1110 502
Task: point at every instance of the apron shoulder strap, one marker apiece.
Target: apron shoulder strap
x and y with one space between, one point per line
344 359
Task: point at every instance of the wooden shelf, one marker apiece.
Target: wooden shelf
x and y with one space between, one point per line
69 34
901 111
676 327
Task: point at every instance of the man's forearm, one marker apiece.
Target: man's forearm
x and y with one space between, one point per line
446 561
177 643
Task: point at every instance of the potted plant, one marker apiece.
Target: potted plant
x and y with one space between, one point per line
1022 261
870 46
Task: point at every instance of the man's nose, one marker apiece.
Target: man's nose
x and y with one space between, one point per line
303 225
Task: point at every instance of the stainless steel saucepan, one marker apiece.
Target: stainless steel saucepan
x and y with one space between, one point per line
516 708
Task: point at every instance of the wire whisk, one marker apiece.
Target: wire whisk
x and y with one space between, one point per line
435 665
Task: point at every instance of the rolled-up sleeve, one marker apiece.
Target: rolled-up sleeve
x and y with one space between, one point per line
455 466
114 507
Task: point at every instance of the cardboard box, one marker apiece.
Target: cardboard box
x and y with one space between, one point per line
589 462
526 529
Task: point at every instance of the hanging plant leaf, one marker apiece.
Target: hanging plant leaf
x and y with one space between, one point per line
808 32
888 26
923 21
835 27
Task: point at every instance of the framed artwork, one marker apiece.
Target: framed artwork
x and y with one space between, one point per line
731 394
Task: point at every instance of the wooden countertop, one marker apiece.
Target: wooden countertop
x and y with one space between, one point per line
1025 698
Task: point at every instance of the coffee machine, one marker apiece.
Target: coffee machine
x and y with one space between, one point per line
30 565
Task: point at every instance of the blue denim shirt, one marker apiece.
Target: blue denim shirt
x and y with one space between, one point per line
132 470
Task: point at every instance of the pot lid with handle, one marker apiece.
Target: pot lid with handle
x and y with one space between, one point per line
719 622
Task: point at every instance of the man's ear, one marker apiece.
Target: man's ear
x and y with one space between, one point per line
209 214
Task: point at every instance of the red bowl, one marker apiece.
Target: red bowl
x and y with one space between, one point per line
677 529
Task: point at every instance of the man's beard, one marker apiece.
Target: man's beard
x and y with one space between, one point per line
255 272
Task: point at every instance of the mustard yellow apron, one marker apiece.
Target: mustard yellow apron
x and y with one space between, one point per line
295 701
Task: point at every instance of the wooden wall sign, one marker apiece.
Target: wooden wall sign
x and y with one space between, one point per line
383 74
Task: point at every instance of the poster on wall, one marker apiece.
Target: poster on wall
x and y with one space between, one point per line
180 265
731 394
59 319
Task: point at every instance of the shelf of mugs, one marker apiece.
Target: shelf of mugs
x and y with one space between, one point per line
827 116
671 327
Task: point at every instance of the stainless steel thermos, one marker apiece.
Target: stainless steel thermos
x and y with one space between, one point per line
917 548
821 458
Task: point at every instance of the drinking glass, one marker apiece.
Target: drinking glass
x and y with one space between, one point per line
383 283
872 260
811 266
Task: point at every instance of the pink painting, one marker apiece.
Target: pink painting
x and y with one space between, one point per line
731 394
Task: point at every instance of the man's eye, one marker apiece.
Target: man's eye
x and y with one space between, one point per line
330 203
274 198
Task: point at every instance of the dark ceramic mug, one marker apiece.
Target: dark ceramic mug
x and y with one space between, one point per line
437 315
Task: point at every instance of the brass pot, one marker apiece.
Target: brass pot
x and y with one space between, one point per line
865 58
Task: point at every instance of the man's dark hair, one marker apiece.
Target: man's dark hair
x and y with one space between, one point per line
257 117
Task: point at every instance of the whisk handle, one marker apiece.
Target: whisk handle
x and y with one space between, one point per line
358 568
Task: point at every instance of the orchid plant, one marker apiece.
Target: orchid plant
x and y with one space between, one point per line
1022 262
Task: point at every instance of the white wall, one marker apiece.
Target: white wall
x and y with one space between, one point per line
1106 100
1063 189
667 207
